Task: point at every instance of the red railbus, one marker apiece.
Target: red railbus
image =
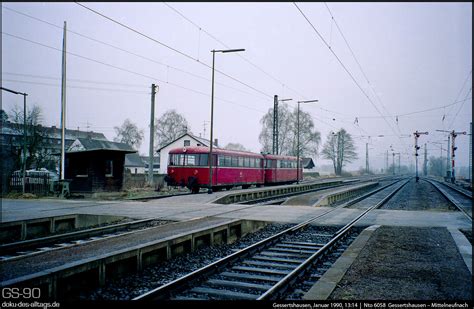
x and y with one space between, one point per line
281 169
189 167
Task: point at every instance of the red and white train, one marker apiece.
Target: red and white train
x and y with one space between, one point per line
189 167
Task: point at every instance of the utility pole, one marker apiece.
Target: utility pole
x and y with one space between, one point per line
417 135
448 170
470 152
425 162
367 158
386 163
453 149
152 135
393 162
63 109
275 125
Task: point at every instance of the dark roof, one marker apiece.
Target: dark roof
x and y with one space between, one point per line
201 140
52 132
133 159
307 162
87 144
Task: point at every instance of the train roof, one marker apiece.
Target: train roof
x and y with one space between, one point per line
279 157
203 149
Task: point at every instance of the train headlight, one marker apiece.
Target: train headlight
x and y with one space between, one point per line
172 171
195 172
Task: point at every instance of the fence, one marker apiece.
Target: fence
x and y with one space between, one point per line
36 182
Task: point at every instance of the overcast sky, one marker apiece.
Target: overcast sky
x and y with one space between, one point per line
416 56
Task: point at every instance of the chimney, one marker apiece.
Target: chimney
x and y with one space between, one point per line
215 142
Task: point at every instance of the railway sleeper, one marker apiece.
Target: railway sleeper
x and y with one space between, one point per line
300 243
284 254
237 284
298 247
250 277
260 270
223 294
268 264
275 259
300 251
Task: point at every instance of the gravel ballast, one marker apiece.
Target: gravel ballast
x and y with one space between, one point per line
407 263
133 285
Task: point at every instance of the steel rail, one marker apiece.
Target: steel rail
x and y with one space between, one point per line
167 289
43 241
450 198
286 281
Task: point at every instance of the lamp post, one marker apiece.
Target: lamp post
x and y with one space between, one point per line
298 140
212 110
24 133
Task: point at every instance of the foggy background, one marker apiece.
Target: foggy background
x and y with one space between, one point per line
416 56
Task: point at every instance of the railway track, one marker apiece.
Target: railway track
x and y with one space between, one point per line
21 249
460 198
267 269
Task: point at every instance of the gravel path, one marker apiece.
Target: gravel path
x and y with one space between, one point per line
418 196
407 263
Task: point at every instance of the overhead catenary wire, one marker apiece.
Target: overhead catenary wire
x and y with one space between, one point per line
129 71
345 69
126 51
227 46
172 48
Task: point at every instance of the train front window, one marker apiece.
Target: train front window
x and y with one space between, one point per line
192 160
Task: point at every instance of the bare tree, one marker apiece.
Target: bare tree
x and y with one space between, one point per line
340 149
437 166
38 153
169 127
288 132
129 134
235 146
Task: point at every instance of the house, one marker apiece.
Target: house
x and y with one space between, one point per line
307 164
134 163
95 165
156 164
138 165
185 140
45 142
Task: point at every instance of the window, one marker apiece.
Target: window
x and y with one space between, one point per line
221 161
227 161
235 161
187 142
192 159
246 162
109 168
241 161
204 159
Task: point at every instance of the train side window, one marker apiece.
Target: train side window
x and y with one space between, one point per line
241 161
204 159
257 163
235 161
221 161
251 162
227 161
246 162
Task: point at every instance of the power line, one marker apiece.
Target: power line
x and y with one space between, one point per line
124 50
172 49
345 68
226 46
460 107
77 87
76 80
129 71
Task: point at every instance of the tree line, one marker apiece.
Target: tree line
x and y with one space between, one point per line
339 147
